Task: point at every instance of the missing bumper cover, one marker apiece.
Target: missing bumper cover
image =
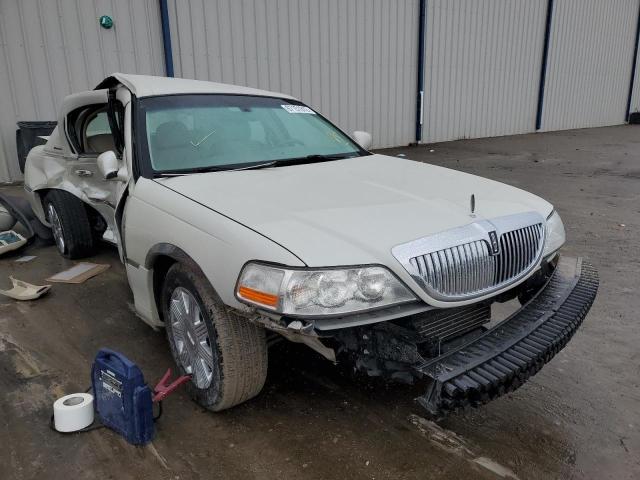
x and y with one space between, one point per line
505 356
463 362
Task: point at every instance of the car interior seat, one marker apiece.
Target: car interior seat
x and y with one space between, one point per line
171 147
100 143
233 143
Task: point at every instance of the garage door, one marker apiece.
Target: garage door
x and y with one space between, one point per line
482 67
590 56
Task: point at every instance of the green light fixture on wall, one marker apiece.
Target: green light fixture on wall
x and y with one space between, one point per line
106 21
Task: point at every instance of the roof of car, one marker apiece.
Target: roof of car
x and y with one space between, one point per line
148 85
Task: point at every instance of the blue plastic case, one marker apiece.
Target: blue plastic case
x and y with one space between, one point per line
123 401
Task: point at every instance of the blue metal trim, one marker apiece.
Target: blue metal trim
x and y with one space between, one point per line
166 38
420 96
543 69
633 67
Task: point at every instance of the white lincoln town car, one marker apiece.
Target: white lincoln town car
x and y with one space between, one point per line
241 214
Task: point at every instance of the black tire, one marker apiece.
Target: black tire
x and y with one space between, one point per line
78 240
238 347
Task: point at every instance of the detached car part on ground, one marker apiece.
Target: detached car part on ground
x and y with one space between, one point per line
238 212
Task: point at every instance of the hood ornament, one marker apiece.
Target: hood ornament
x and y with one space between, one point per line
473 205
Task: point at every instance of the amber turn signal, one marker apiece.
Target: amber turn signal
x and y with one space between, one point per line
258 296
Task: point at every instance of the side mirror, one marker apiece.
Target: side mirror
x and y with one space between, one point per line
363 139
108 165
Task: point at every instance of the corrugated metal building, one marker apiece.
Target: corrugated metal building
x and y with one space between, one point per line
489 67
590 62
482 67
49 49
353 60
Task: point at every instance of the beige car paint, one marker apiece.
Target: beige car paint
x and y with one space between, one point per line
218 244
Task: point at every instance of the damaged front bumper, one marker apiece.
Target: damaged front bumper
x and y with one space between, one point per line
463 362
505 356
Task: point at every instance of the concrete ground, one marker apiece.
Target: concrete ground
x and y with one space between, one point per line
578 418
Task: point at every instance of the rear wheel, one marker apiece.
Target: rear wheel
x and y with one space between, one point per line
224 352
70 224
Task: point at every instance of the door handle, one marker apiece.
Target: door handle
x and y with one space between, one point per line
84 173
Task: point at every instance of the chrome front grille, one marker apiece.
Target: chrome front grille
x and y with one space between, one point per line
519 250
458 270
471 268
476 259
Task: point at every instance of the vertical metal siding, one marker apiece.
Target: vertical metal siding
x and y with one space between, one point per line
635 94
590 57
482 61
635 97
50 48
352 60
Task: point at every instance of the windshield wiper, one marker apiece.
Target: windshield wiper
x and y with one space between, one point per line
313 159
338 156
287 161
273 163
191 171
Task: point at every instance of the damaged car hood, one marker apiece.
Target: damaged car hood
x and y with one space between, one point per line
353 211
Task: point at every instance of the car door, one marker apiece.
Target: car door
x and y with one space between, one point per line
121 120
90 132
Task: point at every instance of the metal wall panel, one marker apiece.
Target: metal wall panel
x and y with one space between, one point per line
354 61
482 67
590 57
635 95
50 48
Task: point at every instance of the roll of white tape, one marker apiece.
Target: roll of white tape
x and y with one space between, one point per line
73 412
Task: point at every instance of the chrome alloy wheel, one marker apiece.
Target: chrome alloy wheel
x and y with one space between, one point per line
191 337
56 227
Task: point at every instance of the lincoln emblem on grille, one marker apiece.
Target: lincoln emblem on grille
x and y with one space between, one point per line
495 246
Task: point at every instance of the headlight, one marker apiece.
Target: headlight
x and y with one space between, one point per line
319 291
555 234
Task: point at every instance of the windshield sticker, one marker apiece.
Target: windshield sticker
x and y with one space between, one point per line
298 109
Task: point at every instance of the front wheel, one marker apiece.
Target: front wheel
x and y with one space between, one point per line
225 354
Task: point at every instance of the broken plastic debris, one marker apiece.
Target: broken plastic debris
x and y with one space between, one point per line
10 241
25 291
25 258
78 273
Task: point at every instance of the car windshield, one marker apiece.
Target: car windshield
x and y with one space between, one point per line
200 132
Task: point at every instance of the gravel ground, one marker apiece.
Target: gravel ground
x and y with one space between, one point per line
578 418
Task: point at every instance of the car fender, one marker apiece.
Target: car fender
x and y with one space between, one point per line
41 172
161 223
45 171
